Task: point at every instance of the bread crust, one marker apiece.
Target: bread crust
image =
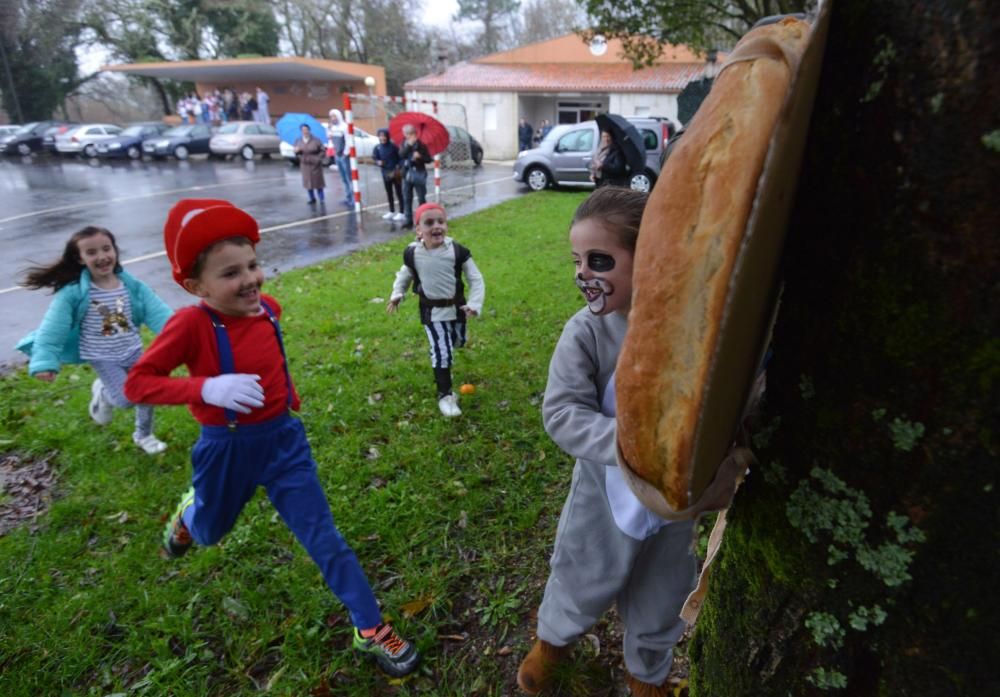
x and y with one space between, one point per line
689 240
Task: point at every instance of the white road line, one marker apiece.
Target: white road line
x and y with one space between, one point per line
77 206
273 228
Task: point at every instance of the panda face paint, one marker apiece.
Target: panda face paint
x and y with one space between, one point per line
603 266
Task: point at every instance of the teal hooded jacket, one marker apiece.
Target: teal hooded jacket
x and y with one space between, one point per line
57 339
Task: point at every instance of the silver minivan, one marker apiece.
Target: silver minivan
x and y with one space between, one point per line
564 155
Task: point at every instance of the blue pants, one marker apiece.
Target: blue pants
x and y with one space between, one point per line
229 465
344 167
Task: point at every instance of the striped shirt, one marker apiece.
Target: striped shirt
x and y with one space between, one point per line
107 332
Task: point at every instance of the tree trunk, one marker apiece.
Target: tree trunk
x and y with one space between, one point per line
861 553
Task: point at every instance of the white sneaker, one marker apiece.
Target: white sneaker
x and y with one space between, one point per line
449 406
388 216
399 216
151 445
100 410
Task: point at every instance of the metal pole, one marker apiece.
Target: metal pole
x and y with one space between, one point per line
352 153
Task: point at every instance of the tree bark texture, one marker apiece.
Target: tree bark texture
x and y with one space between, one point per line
861 554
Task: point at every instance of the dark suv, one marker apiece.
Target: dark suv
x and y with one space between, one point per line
29 138
564 155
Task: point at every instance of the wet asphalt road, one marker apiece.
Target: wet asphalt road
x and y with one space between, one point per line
46 199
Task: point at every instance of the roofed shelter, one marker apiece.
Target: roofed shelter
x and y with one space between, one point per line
294 84
563 80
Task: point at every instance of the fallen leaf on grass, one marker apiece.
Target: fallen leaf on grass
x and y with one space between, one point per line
453 637
463 520
505 651
415 607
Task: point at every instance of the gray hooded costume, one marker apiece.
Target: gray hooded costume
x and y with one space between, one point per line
608 548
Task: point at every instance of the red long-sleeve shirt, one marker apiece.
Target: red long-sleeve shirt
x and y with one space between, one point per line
189 339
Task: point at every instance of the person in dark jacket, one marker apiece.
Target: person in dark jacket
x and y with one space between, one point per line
311 153
386 156
610 167
524 135
415 156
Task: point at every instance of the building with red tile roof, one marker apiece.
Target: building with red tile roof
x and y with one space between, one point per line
561 80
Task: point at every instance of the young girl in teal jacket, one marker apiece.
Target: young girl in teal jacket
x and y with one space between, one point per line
95 317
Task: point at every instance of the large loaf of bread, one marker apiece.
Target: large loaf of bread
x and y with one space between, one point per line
689 240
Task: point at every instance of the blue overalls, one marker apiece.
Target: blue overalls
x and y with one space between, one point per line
230 462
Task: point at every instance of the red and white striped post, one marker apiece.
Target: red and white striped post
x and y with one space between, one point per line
352 153
437 165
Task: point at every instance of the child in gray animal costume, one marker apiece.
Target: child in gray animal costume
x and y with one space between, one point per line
609 548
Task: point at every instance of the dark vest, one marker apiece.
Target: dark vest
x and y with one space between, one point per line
462 255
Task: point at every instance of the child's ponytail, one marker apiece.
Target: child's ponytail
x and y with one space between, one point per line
67 269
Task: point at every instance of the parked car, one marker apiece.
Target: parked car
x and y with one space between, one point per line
8 130
7 134
128 143
364 144
246 138
28 139
51 133
83 140
180 142
463 147
563 157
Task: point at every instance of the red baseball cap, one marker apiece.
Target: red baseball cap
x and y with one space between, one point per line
194 224
423 208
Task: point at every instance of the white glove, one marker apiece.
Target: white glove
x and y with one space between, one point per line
236 391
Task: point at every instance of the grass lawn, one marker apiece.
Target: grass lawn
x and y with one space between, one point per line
453 520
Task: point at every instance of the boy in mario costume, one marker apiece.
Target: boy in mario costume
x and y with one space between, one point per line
239 388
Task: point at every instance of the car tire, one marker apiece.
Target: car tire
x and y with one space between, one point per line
24 149
134 153
477 158
246 152
89 151
537 178
181 152
643 181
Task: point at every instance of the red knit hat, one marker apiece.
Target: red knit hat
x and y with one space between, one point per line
423 208
195 224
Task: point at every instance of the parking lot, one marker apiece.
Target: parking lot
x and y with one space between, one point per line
46 199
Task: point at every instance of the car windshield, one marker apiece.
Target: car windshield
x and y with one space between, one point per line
133 131
229 128
27 128
179 131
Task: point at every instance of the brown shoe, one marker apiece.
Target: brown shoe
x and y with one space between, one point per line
645 689
535 672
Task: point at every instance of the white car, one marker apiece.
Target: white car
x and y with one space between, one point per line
245 138
364 144
84 139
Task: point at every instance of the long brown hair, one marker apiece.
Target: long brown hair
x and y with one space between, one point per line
67 269
618 209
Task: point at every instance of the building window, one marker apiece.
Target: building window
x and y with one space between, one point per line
642 111
577 112
489 117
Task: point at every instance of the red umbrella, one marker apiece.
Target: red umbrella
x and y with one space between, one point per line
430 131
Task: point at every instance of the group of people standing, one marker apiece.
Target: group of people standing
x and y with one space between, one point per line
527 137
220 106
403 169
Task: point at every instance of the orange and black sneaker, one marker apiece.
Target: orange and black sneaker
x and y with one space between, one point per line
176 536
393 654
